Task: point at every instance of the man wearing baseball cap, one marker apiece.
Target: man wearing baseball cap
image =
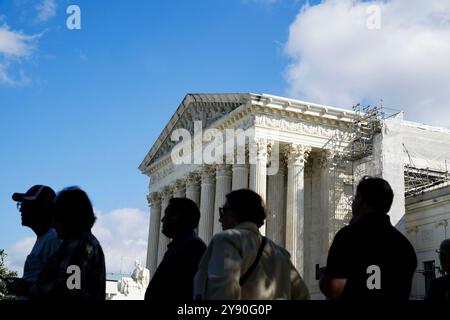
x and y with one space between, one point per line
36 207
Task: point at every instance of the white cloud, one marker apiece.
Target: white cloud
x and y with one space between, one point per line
14 47
46 9
18 253
122 234
338 60
15 43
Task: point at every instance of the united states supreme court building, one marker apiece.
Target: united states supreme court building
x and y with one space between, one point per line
305 160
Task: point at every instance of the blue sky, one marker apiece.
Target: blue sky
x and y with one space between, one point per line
83 107
92 101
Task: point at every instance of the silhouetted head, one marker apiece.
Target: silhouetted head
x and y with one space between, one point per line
73 212
444 255
242 205
181 216
36 207
373 195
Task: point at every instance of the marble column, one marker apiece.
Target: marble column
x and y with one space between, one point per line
206 225
223 187
154 200
240 177
166 195
179 190
296 155
276 205
193 187
324 165
258 172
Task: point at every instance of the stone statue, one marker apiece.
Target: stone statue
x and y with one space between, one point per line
134 287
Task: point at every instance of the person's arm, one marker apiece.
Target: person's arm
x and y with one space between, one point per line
224 270
299 290
332 287
334 279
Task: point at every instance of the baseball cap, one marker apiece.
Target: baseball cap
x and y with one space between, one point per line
37 192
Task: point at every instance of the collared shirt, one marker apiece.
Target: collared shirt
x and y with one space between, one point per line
81 258
173 279
375 258
231 253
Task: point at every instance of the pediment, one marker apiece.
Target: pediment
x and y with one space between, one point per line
195 107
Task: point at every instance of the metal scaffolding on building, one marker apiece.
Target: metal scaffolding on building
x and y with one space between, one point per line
350 164
417 180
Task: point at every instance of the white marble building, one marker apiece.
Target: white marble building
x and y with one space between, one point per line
427 225
321 153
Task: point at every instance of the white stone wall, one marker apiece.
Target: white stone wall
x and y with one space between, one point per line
426 225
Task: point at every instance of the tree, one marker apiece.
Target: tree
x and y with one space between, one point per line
4 272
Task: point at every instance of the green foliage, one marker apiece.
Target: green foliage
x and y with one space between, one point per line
4 272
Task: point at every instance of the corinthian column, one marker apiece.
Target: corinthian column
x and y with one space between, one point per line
206 225
240 177
179 190
296 155
258 171
324 164
276 205
258 168
193 187
166 195
223 187
154 200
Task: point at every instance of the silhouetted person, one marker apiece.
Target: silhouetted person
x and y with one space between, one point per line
370 259
440 287
36 207
77 270
173 279
240 263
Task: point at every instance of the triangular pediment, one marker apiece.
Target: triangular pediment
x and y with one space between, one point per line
207 108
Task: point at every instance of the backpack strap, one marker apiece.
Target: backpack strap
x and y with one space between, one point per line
249 271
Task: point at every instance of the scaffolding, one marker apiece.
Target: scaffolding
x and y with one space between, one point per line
366 124
417 180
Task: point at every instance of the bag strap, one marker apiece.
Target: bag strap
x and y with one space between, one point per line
249 271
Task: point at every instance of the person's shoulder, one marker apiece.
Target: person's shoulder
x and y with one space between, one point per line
279 249
346 232
233 235
196 242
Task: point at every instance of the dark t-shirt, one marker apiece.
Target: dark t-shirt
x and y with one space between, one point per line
174 278
439 289
375 258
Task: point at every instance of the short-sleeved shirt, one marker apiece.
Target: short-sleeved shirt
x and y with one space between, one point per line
44 247
375 258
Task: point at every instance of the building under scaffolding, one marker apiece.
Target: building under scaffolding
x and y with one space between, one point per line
424 154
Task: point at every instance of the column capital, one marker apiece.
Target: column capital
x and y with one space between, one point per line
154 199
261 146
325 158
193 179
296 154
257 149
179 186
208 173
167 193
